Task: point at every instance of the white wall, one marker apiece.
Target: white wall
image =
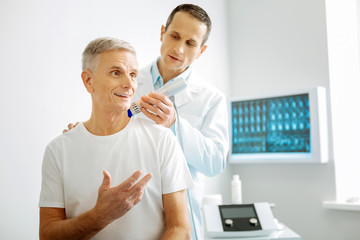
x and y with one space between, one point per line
343 39
279 45
41 91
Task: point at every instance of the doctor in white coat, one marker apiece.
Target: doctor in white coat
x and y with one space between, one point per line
198 115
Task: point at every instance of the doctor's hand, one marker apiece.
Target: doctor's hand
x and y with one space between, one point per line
70 126
159 108
114 202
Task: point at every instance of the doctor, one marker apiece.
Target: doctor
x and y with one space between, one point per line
198 114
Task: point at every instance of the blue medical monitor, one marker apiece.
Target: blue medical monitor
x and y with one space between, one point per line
279 128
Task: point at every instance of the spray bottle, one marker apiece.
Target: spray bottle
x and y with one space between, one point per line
236 196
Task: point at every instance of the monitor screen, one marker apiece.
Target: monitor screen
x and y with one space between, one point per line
279 128
279 124
238 212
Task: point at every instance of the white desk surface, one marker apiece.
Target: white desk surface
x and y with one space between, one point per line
285 234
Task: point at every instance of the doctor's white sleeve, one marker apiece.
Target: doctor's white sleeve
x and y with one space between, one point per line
206 148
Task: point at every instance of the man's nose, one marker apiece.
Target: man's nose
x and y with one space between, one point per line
179 48
128 81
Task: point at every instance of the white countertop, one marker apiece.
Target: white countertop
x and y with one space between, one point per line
284 234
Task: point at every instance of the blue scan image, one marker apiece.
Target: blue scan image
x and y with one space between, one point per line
272 125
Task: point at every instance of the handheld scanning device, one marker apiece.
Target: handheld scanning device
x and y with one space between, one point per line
169 89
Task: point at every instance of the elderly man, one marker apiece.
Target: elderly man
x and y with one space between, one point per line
72 205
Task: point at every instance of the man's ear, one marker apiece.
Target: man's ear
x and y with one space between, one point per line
87 77
163 29
203 48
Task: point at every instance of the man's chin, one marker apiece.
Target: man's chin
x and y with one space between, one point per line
122 108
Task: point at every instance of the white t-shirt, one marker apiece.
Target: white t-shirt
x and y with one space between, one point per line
72 173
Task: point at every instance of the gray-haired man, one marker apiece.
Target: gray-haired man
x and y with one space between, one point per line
72 205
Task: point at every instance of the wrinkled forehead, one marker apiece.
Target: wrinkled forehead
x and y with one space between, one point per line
121 57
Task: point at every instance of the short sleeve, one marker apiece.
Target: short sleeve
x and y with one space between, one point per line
175 174
52 187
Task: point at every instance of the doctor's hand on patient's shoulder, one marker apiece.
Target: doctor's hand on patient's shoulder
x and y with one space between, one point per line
114 202
159 108
70 126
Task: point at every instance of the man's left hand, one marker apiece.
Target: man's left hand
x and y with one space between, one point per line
159 108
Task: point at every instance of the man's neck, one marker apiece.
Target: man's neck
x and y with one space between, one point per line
103 124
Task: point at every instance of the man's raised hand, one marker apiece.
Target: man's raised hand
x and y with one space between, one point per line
114 202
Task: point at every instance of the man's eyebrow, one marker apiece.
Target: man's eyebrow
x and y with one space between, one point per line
115 67
133 69
172 32
191 39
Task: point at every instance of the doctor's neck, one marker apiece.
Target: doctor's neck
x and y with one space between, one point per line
167 73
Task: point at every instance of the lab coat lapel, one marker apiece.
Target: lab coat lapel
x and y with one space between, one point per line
184 96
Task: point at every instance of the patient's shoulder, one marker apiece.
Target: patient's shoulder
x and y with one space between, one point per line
149 126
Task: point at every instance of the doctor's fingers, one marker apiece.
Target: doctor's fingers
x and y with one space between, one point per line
70 126
151 115
160 109
157 99
165 99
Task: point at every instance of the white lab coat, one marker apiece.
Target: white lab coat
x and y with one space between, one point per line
202 131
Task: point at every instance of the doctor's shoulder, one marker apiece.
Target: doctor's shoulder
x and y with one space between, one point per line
201 86
204 93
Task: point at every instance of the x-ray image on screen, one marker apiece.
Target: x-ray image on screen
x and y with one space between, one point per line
271 125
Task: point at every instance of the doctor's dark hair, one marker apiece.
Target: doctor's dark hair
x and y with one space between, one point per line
194 11
100 45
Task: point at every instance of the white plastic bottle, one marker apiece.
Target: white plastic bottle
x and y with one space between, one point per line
236 196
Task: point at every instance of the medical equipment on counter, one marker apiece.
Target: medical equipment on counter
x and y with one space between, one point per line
240 220
169 89
236 196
